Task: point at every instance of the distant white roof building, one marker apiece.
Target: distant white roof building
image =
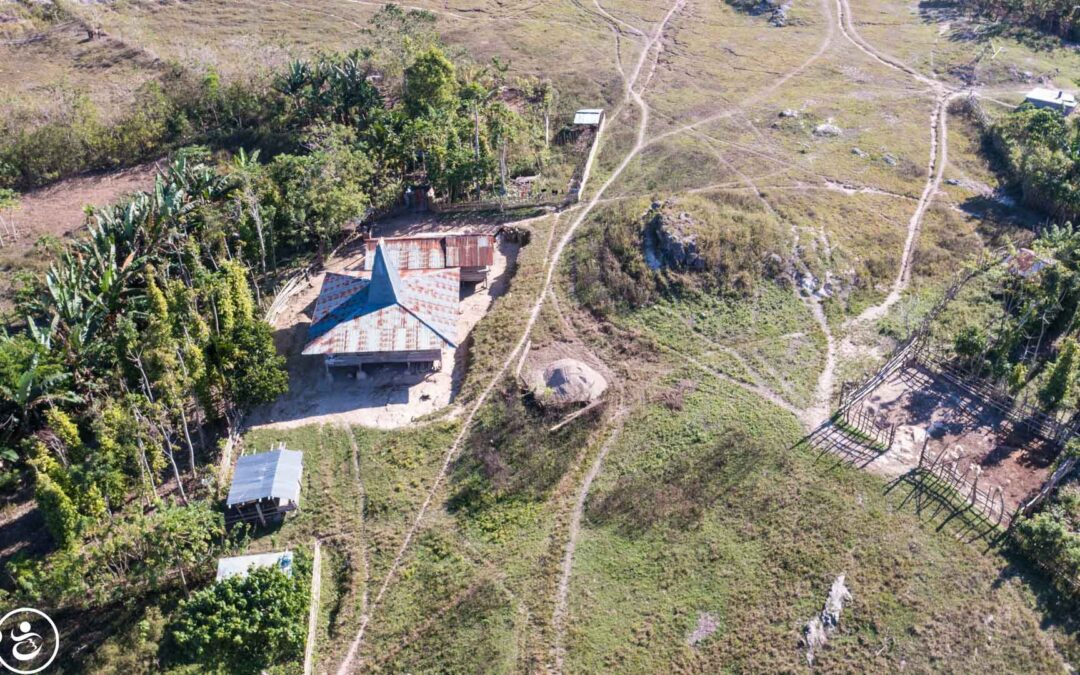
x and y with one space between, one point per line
241 565
1051 98
589 117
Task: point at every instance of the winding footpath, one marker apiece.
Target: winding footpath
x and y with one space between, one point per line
651 50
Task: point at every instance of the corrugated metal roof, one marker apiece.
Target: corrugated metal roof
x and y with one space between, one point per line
267 475
409 253
590 116
470 250
410 310
241 565
1027 263
1051 96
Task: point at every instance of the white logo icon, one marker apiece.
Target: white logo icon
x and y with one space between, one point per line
29 641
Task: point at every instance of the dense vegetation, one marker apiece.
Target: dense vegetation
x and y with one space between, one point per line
245 624
122 364
1051 538
1027 344
140 336
409 110
178 108
1040 150
1057 17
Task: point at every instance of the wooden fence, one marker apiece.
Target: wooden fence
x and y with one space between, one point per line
1036 420
862 423
498 204
851 393
987 500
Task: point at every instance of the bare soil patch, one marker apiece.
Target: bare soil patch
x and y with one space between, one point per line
930 410
387 397
430 223
59 209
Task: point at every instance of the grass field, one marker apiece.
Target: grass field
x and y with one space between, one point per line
599 547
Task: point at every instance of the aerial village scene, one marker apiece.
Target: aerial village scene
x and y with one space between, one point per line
543 337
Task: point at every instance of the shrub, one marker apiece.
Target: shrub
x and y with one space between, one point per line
61 516
1046 539
245 624
1063 373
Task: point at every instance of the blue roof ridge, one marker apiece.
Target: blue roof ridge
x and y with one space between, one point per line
385 287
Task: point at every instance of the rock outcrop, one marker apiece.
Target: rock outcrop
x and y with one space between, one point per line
675 242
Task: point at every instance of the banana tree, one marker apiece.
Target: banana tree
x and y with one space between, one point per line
40 385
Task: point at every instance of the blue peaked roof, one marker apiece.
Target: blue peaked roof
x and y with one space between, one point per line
385 287
389 312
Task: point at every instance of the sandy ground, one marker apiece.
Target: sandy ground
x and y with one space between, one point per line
931 411
414 224
387 397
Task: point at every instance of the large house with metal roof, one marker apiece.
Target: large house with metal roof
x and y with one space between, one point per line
396 316
265 486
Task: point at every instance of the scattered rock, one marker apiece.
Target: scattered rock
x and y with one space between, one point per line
890 160
706 626
859 153
779 17
952 181
827 129
818 629
675 244
789 112
570 381
776 9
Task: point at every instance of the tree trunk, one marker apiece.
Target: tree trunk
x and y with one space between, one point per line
476 131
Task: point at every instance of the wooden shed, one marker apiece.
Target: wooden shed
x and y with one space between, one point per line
265 487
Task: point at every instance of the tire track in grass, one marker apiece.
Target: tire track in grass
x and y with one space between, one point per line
365 557
552 265
558 614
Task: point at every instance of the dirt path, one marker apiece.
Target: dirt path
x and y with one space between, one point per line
365 556
558 614
313 610
819 411
852 35
826 43
553 263
936 170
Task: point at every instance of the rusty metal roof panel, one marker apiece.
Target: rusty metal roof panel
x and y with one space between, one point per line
336 289
417 310
409 253
470 250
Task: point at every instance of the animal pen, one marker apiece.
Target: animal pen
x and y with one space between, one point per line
925 418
